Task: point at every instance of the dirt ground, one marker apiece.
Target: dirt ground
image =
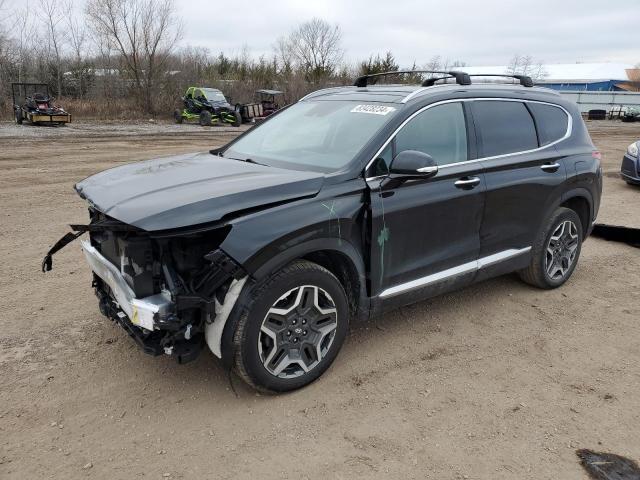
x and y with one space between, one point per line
499 380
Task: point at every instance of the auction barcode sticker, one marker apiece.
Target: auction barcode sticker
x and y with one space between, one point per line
374 109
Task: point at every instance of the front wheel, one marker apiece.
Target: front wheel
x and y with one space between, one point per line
205 118
556 251
177 115
19 116
291 329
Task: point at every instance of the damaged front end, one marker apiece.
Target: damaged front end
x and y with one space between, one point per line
166 289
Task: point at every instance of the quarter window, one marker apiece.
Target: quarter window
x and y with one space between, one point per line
504 127
439 131
552 122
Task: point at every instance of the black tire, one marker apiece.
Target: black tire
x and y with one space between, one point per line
536 273
238 120
205 118
177 115
19 116
249 351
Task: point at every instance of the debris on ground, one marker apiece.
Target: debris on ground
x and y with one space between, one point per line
615 233
608 466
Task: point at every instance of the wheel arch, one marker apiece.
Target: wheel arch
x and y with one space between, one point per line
580 201
336 255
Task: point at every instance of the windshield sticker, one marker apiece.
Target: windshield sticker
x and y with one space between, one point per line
374 109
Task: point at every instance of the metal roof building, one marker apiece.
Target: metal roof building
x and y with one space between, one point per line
605 77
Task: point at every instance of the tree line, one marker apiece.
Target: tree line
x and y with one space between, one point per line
121 58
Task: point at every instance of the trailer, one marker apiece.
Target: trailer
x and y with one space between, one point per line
31 102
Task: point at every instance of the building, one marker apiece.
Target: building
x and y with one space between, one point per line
594 77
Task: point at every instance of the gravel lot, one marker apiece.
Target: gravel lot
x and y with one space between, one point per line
496 381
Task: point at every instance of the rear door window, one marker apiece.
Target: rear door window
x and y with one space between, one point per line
504 127
552 122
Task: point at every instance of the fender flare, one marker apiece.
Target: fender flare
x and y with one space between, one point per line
580 192
227 330
307 247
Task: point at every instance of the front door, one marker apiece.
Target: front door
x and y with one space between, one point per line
425 231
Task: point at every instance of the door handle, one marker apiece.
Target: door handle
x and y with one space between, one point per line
550 167
467 183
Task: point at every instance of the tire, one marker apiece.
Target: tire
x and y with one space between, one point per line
238 120
264 341
19 116
205 118
548 269
177 115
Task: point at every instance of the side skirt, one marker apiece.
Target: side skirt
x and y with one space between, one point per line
451 273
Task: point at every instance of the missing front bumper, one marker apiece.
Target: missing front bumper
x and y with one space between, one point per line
142 312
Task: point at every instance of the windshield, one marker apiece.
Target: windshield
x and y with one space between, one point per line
214 95
321 136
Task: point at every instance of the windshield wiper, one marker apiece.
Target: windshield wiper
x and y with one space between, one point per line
250 160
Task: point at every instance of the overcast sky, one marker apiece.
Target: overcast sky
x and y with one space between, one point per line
486 32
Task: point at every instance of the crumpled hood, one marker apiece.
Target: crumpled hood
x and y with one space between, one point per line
192 189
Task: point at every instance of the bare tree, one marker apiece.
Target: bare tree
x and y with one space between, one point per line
144 32
52 15
526 65
284 55
78 40
316 47
23 38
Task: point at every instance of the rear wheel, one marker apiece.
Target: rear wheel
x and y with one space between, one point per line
556 251
205 118
177 115
291 329
238 121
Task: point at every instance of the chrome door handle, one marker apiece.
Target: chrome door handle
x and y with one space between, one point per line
467 182
550 167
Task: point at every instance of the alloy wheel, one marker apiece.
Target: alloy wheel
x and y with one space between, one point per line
561 250
297 331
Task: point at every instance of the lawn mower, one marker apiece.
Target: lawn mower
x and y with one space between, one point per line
266 103
31 102
207 105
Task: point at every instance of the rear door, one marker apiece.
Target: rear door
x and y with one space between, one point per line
523 170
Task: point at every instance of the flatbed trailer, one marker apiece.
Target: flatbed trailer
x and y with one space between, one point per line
31 102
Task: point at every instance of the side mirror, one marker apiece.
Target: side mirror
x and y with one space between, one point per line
413 163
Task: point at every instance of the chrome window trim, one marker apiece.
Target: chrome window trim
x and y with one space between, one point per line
449 165
468 267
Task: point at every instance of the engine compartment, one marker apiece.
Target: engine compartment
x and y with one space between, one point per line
182 273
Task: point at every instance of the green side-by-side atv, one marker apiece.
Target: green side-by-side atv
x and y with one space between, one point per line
207 106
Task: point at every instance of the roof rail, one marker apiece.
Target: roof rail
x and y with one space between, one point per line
461 77
525 80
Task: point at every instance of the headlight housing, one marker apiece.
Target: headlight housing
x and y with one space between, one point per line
632 150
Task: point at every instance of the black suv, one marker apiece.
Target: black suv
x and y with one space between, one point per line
353 201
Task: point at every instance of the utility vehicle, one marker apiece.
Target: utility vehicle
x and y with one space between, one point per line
207 106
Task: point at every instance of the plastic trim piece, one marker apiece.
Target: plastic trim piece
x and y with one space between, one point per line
468 267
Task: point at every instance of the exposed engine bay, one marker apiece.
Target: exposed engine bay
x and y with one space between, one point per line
161 288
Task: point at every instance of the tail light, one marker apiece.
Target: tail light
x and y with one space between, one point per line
597 155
